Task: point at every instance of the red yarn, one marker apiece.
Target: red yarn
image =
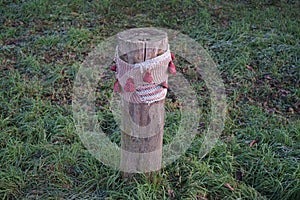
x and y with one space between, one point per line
172 56
113 68
129 85
165 84
117 86
172 68
148 77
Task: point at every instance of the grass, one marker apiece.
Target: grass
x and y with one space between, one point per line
256 46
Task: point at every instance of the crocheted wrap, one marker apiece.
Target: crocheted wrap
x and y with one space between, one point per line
143 82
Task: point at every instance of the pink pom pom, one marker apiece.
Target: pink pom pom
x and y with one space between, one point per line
172 56
172 68
117 86
129 85
113 68
148 77
165 84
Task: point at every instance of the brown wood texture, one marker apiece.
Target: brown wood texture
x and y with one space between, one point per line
142 124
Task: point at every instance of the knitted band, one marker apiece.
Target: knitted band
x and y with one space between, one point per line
143 82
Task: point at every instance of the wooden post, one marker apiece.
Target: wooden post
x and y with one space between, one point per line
141 144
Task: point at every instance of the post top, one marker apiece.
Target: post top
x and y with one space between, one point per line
144 35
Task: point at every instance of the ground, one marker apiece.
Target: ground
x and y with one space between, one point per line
255 45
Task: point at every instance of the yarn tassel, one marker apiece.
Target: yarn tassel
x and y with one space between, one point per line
172 68
148 77
172 56
129 85
165 84
117 88
113 68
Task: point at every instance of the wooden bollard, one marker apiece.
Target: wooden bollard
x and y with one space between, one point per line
142 61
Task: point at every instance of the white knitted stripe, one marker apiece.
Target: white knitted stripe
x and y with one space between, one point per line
157 97
147 90
147 98
151 94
